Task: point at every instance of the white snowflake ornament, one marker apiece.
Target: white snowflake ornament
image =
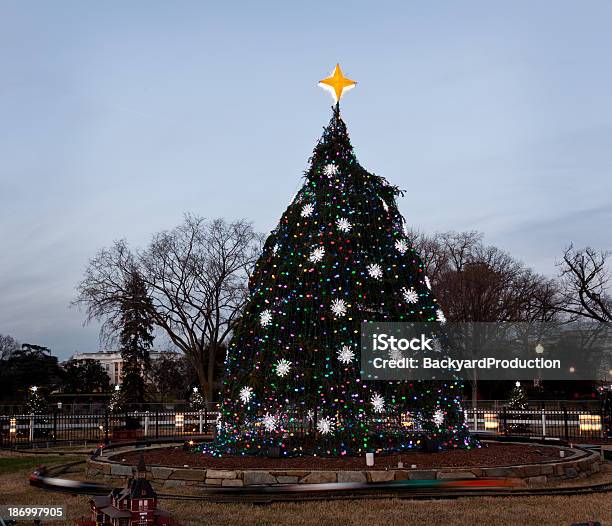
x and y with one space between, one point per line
346 355
378 403
395 354
338 307
270 422
440 316
246 394
438 417
343 224
410 295
375 270
265 318
401 246
282 367
317 254
307 210
325 426
330 170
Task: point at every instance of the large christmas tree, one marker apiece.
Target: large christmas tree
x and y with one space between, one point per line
338 257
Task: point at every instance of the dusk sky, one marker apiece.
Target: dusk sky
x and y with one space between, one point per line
116 118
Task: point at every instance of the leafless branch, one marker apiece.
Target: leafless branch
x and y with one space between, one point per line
196 276
585 284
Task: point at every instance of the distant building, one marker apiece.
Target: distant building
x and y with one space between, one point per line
135 505
112 362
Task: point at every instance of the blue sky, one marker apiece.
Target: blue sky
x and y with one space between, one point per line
118 117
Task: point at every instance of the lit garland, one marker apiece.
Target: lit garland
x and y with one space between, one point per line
339 256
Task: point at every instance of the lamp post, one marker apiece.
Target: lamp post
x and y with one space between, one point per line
539 349
33 409
55 417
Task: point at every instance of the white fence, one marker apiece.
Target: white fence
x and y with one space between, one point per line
565 423
22 429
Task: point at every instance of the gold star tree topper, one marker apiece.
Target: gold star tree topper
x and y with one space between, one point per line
337 83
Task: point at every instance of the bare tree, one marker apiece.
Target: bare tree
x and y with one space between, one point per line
8 344
585 284
447 251
196 277
475 282
478 283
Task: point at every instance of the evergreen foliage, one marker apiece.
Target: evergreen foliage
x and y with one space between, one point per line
136 339
84 376
338 257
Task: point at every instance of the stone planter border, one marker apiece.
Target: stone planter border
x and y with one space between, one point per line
580 463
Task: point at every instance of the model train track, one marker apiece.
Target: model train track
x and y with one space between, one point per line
382 491
409 489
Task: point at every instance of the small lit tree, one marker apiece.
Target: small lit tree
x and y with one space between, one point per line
196 400
117 400
605 394
518 397
517 401
35 404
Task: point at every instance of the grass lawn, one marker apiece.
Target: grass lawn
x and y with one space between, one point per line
524 511
26 463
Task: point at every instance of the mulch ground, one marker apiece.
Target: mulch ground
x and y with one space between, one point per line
490 455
